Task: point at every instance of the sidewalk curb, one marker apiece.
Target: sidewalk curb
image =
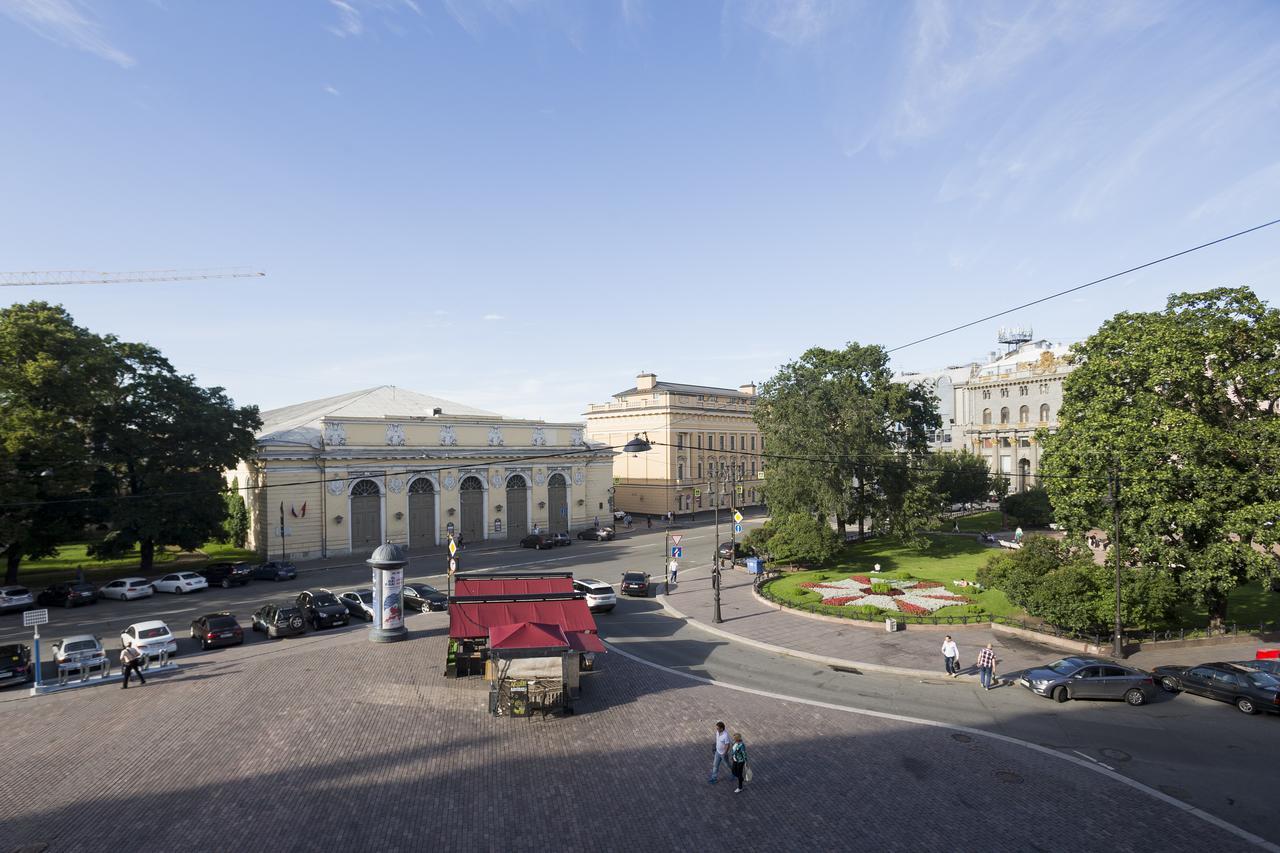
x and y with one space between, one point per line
822 659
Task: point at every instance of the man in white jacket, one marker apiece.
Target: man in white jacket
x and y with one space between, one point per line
951 656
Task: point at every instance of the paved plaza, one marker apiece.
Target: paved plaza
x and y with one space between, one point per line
329 742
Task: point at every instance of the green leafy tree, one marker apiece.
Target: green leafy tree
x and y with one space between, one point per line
235 527
834 422
1184 404
1030 508
803 540
963 477
165 442
52 373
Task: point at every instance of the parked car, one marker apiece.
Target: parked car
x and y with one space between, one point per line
78 647
227 575
274 571
127 589
180 582
596 534
1248 688
359 603
15 598
68 594
322 608
599 595
559 539
731 551
537 540
151 638
217 629
1088 678
1267 665
279 620
420 596
635 583
15 665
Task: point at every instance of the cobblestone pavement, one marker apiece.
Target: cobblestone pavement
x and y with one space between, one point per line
915 648
329 742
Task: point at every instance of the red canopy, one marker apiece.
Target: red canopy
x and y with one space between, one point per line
465 587
469 620
580 641
527 635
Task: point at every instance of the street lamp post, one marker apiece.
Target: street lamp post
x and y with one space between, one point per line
1118 649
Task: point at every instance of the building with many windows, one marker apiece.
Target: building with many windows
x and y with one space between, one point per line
994 409
345 474
702 437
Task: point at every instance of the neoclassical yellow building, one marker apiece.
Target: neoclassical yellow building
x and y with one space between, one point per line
344 474
698 433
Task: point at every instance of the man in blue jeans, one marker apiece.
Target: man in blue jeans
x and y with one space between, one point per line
986 665
722 751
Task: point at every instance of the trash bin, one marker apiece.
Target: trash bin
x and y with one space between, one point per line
753 565
890 624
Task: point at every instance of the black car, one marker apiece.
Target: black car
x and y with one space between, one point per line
559 539
323 609
1248 688
279 620
420 596
217 629
227 575
538 541
635 583
596 534
68 594
730 550
274 571
15 664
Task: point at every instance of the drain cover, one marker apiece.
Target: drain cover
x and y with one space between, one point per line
959 736
1008 776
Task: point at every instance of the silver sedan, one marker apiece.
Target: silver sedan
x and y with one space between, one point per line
1089 678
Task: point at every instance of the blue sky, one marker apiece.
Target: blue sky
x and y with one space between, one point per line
519 205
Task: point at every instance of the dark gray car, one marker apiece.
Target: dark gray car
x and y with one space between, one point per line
1089 678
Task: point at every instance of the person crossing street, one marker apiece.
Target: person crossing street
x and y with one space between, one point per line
986 666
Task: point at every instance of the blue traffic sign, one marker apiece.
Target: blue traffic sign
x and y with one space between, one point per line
737 528
677 551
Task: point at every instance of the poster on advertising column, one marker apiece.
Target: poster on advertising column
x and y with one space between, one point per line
387 606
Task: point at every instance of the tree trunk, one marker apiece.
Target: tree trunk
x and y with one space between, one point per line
13 559
147 554
840 526
1217 607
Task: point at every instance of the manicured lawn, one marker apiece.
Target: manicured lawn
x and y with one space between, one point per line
73 556
978 522
949 558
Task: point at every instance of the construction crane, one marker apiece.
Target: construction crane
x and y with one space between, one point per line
47 277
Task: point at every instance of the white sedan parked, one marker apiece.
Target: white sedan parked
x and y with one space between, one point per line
150 638
127 589
180 582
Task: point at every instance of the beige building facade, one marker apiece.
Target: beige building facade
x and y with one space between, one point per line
344 474
702 438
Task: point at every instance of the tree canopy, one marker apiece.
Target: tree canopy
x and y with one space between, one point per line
841 436
964 477
1184 404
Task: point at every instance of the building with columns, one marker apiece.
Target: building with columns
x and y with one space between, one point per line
995 408
344 474
697 432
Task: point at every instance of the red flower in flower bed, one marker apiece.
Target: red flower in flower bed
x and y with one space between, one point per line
860 578
946 596
844 599
914 609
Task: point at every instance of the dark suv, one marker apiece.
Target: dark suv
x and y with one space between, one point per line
217 629
15 664
279 620
227 575
323 609
68 594
275 571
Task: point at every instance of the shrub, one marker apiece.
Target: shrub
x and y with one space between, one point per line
803 539
1030 508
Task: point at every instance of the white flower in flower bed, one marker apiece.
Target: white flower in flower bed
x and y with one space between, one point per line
918 597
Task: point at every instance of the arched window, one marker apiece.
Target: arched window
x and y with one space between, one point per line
421 486
1024 415
1004 415
471 484
515 481
1044 413
365 487
986 416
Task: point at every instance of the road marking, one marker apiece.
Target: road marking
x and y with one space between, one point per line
1089 764
1091 758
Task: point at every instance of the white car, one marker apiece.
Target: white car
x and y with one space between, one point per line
359 603
127 589
16 598
180 582
77 647
599 595
150 638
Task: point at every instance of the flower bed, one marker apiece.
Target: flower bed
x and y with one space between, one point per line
904 596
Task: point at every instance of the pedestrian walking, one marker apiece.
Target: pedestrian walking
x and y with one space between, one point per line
986 666
626 519
597 522
649 521
675 567
956 528
721 755
130 662
951 656
738 761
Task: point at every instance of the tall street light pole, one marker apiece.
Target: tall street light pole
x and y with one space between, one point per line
1118 649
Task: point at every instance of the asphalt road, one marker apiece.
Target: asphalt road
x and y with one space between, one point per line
1202 752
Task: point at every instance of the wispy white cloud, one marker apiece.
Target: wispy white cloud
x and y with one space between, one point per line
635 13
1261 185
493 317
332 90
351 15
794 22
350 21
64 22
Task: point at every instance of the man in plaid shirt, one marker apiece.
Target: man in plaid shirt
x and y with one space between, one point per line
986 665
